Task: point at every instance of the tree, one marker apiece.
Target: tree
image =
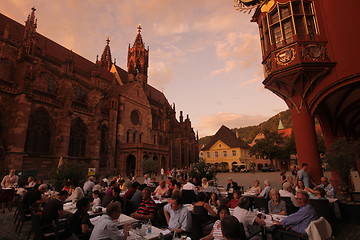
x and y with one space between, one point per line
70 171
201 169
341 157
149 166
270 147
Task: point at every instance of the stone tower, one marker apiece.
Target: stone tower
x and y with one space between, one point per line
105 60
138 60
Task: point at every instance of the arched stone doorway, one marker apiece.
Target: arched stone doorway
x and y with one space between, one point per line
130 165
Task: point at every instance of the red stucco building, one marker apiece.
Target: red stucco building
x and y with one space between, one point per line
311 60
55 103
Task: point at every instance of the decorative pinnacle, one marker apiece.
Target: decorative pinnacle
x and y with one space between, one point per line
139 28
108 40
33 9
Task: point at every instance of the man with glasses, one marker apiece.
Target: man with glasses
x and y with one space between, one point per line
329 189
300 220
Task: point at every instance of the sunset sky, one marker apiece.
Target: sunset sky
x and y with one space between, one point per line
204 55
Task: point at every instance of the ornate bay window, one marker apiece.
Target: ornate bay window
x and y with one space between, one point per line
288 22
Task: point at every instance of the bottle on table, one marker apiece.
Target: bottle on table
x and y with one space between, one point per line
149 227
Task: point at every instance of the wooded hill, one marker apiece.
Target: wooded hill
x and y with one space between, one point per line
249 133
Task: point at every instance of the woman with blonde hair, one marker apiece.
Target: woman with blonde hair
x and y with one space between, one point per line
256 187
204 183
276 205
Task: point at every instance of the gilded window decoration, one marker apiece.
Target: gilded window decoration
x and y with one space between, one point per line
314 52
285 56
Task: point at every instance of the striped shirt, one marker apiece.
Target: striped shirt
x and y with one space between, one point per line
217 233
147 207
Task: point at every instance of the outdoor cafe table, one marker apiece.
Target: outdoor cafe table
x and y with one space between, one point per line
133 234
71 207
268 219
249 194
155 234
122 220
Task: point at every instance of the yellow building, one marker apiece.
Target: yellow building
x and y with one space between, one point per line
226 151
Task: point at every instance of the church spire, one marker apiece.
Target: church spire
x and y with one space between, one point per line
138 60
280 126
138 40
105 60
29 40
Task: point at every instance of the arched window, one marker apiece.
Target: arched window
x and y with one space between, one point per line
77 142
134 136
103 145
52 86
38 136
103 140
80 95
128 136
140 137
7 70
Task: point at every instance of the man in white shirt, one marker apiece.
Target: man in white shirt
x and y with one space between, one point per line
265 192
147 179
246 217
106 228
88 185
287 192
189 186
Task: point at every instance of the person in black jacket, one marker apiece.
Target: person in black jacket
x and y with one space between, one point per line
232 184
79 223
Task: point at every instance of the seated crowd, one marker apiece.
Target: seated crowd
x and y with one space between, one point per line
211 211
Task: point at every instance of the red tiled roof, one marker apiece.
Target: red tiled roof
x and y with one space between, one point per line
228 137
285 132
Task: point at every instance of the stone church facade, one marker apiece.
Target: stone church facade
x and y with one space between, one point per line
56 104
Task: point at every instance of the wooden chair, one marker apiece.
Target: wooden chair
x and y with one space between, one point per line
23 216
41 231
188 196
261 203
323 208
290 208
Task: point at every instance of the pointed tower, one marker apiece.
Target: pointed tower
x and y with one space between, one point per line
29 40
138 60
105 60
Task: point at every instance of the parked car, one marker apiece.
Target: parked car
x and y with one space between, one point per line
239 168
